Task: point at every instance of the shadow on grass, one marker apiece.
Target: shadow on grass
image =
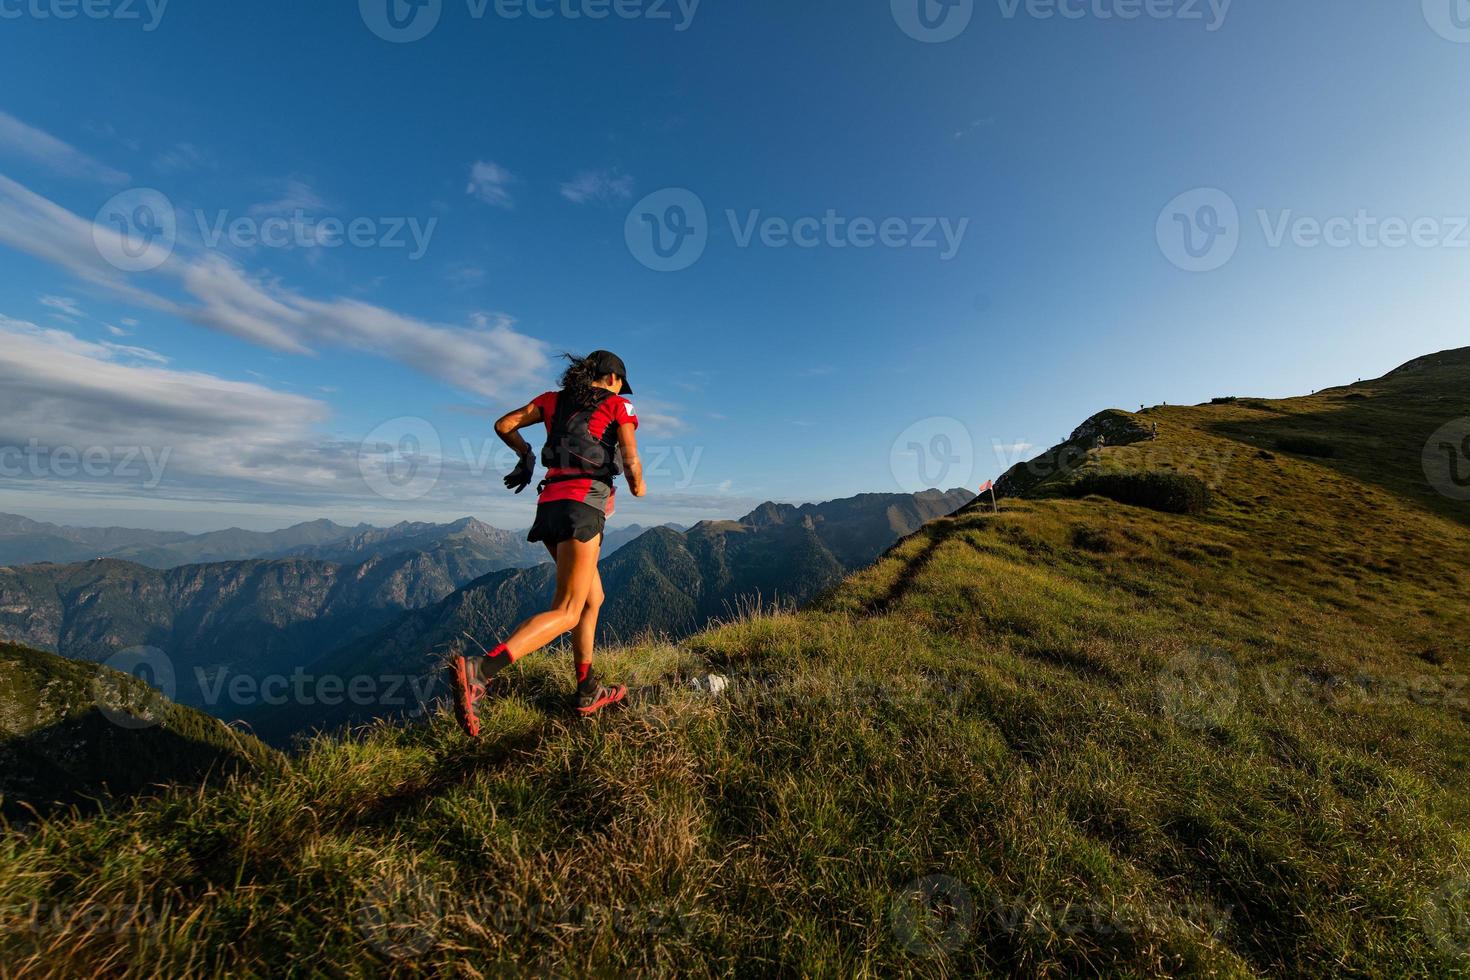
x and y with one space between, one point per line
89 762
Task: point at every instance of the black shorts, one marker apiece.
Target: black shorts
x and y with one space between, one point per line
566 520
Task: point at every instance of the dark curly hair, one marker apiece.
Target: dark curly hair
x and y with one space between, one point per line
578 381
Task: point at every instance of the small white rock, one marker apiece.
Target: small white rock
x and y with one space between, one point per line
711 684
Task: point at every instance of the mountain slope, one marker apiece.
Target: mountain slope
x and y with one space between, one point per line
258 617
1076 737
80 734
663 583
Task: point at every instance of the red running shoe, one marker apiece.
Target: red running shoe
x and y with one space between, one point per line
467 684
604 697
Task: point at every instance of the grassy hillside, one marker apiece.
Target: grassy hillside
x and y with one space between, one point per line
1074 737
74 734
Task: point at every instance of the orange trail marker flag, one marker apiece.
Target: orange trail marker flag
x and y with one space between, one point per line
990 485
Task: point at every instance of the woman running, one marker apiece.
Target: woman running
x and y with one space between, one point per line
587 423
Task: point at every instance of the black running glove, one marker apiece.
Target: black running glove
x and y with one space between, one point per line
520 477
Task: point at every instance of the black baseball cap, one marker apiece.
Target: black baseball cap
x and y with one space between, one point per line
605 362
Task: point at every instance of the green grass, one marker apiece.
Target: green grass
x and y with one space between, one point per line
1073 737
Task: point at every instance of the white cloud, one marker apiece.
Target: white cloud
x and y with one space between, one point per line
21 140
598 186
658 419
59 391
115 331
490 183
483 358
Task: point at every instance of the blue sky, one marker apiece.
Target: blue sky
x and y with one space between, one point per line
217 380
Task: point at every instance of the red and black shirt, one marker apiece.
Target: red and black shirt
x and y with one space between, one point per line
615 410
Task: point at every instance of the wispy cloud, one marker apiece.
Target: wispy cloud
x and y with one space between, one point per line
182 158
18 139
973 125
483 358
598 187
490 183
61 304
463 275
292 194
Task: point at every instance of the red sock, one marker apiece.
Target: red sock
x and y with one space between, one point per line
582 671
495 660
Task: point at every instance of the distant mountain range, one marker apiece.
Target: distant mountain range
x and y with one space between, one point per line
27 542
665 582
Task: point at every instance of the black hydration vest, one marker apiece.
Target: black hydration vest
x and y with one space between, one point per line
570 446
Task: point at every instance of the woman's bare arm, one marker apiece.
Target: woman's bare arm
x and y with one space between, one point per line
510 425
628 443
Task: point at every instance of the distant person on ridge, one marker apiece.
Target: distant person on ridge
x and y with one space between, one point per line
588 423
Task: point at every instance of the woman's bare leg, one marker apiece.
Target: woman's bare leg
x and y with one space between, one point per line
584 637
576 574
